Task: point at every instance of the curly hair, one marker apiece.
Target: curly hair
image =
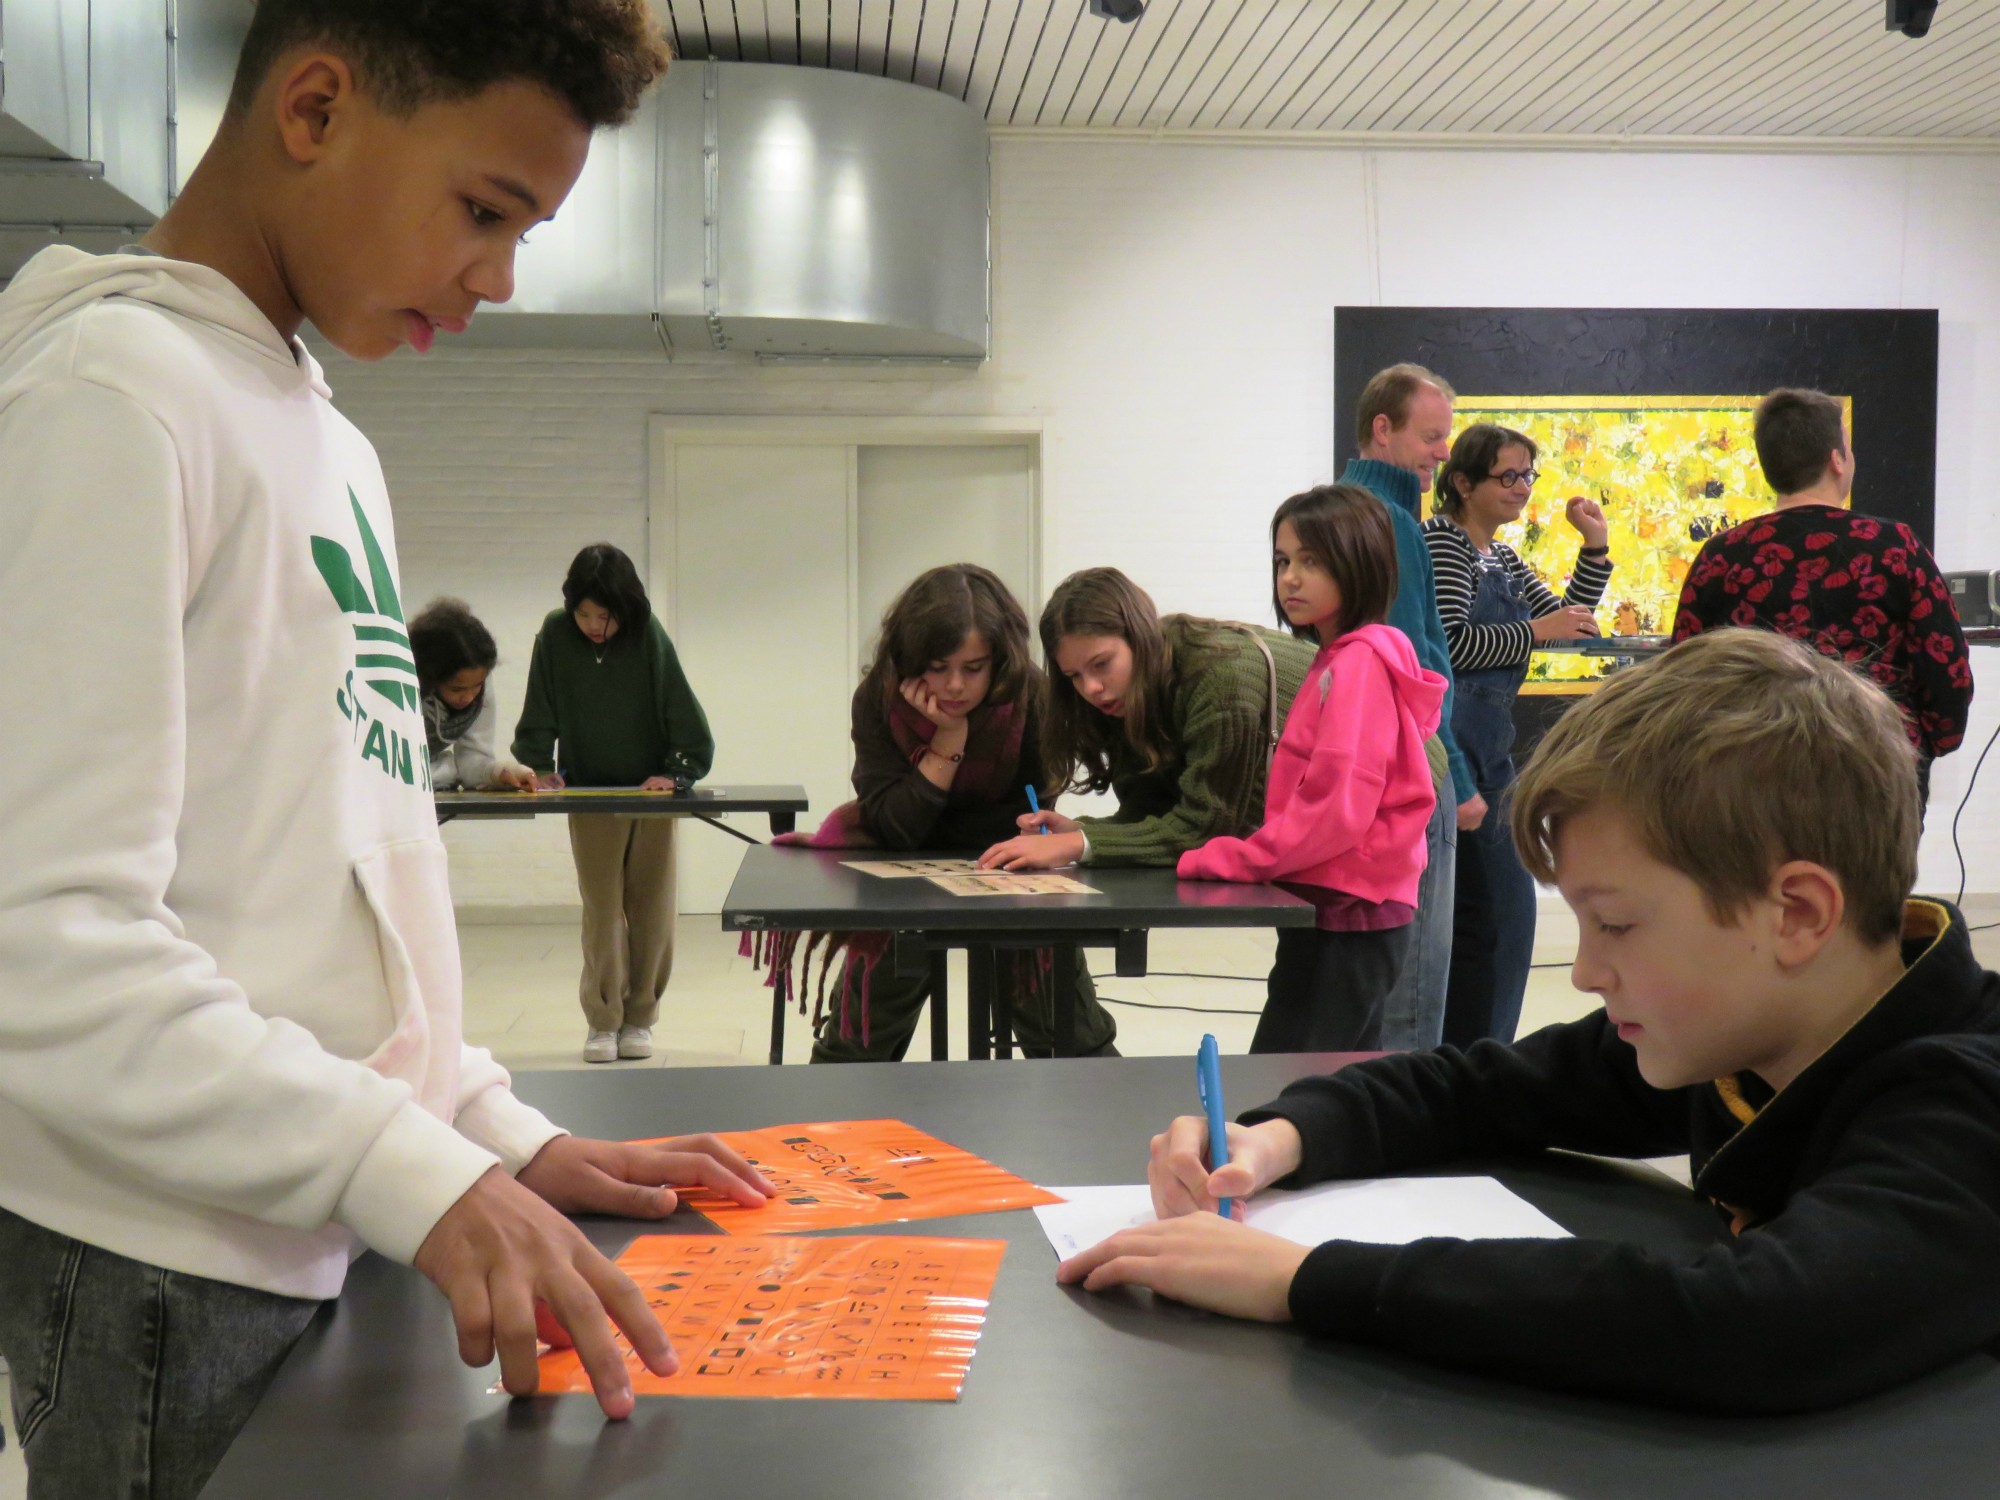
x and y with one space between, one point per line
446 638
598 56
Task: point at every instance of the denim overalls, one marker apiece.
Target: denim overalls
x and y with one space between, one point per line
1493 915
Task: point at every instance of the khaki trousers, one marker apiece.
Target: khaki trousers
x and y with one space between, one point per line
625 872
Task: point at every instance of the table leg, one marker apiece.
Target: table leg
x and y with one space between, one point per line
979 960
1065 998
777 1026
940 1008
783 822
1002 1007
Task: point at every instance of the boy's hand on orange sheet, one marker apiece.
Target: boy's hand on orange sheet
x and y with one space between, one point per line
498 1251
520 778
1034 851
1178 1170
1200 1259
548 784
631 1178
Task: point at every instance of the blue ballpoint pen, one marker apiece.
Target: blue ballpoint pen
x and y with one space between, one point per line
1208 1077
1035 806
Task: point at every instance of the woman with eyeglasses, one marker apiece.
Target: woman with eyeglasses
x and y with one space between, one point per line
1495 612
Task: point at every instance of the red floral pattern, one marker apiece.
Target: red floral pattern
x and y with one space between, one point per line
1852 587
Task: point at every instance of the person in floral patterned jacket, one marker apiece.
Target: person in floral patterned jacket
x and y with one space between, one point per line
1855 588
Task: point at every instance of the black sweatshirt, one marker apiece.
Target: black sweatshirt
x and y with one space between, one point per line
1866 1197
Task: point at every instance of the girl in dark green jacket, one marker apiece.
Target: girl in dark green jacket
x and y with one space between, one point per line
608 706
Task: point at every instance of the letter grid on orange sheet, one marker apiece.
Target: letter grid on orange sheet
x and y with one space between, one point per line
865 1317
841 1174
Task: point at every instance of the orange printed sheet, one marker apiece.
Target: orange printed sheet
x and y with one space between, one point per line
858 1318
842 1174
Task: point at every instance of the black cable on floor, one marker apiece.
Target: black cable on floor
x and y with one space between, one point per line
1969 782
1195 1010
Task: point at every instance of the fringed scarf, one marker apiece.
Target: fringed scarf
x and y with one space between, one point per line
987 772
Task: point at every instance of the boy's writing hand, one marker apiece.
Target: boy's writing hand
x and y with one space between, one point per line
659 784
548 783
1034 851
1202 1259
629 1178
498 1251
520 778
1178 1170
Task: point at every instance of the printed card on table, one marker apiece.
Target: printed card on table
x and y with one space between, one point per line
872 1317
843 1174
1013 883
912 869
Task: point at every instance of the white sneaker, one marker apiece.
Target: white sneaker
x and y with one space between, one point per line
635 1041
601 1046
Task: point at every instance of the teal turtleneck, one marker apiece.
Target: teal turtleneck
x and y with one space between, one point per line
1415 611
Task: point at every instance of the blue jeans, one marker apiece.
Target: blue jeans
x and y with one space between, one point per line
1413 1015
129 1381
1493 936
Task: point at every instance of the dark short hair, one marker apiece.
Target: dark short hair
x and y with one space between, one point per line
1473 454
1797 433
597 56
1388 394
932 618
446 638
604 575
1350 532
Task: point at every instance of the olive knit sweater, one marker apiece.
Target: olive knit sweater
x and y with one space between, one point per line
1218 717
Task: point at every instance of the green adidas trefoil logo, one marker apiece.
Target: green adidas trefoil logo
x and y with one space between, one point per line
382 655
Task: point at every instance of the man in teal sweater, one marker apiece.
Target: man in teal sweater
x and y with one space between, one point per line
1403 427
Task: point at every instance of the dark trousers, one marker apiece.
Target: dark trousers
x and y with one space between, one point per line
1493 932
1327 990
894 1004
129 1380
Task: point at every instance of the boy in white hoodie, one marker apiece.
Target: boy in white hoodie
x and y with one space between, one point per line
230 1049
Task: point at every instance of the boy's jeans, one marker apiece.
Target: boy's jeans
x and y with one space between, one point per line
128 1380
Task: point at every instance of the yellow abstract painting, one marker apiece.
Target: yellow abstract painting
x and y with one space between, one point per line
1670 471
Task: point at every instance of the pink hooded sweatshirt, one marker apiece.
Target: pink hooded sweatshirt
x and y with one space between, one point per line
1350 792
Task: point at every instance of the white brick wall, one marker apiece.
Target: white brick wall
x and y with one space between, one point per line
1167 312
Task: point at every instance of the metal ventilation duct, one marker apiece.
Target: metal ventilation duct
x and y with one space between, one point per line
86 95
782 212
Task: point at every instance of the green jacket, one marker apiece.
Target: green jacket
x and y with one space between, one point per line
620 712
1220 692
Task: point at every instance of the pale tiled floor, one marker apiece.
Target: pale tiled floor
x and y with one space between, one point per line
520 1000
520 995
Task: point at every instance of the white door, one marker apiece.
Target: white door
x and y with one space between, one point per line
752 550
923 506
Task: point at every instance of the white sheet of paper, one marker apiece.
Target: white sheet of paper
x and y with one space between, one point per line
1375 1211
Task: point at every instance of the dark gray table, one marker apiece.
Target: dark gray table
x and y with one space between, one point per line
812 890
1070 1395
708 803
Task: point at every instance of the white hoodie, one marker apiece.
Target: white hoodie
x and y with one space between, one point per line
229 980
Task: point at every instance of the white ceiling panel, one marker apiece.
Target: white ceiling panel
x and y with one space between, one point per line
1662 70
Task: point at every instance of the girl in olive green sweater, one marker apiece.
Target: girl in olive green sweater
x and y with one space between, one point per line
1174 717
608 706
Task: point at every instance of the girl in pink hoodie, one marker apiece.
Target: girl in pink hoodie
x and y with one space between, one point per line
1350 788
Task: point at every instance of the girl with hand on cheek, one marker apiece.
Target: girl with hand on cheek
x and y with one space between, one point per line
946 727
1350 793
1175 717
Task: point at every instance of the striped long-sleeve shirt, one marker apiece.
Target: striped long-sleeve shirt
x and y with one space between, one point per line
1456 562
